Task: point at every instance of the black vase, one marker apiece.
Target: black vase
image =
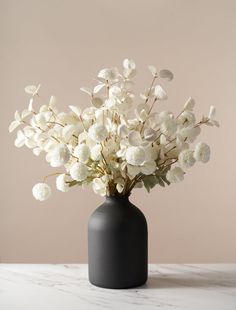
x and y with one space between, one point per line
117 245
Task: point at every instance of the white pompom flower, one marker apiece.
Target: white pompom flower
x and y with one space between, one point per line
149 167
96 152
202 152
32 89
187 118
135 155
79 172
117 138
175 175
98 132
129 64
186 159
189 134
61 183
169 127
108 74
82 151
58 156
41 191
100 186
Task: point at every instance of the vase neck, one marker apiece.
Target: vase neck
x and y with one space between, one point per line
117 198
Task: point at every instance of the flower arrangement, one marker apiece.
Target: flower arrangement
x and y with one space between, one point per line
118 143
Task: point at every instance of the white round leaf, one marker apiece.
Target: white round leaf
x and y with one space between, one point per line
129 64
150 134
52 101
166 74
86 90
30 89
189 104
98 87
97 102
134 138
76 110
212 112
17 116
149 167
153 70
25 113
13 126
160 93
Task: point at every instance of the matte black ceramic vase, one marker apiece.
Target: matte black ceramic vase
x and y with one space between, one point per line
117 245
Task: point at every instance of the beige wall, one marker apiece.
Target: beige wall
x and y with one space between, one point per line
62 44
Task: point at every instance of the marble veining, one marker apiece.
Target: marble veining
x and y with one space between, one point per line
66 287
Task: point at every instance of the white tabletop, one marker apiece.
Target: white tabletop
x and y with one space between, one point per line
66 287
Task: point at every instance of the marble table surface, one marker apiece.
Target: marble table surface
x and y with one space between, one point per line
66 287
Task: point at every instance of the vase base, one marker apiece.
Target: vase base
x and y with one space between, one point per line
119 287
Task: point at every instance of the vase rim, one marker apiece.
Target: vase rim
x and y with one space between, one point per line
120 197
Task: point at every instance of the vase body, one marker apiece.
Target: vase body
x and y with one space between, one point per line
117 245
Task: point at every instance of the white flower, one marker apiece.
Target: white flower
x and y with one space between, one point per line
169 127
59 155
82 151
187 118
135 155
202 152
96 152
100 186
61 183
110 74
18 119
41 191
189 134
79 172
115 138
98 132
129 68
165 115
129 64
149 167
186 159
175 175
160 93
32 89
152 152
41 120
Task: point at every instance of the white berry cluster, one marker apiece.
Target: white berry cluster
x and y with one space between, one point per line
119 142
